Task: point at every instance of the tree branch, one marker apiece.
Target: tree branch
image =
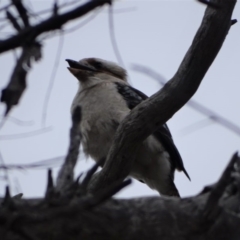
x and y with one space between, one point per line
22 11
84 216
143 120
55 22
213 116
66 175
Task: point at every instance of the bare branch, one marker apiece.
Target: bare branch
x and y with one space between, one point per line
13 21
90 173
6 177
60 6
50 185
82 23
22 11
158 109
212 207
43 164
65 175
55 22
19 121
192 103
12 93
25 135
7 197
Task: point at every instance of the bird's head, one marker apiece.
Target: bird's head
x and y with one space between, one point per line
91 71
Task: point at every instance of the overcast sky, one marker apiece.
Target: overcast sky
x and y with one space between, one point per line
156 34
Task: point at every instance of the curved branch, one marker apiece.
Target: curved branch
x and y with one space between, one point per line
211 115
159 108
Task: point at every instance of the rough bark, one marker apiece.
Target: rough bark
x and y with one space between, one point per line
158 109
213 214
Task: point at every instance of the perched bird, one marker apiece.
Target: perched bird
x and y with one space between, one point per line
106 98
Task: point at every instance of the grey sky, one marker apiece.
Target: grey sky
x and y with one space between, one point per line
156 34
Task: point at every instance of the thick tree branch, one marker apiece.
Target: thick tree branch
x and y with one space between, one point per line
159 108
55 22
80 215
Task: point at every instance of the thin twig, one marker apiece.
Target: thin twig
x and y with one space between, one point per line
212 206
22 11
50 185
191 103
25 135
18 121
112 37
84 22
124 10
90 173
61 6
6 177
13 21
43 164
196 126
52 78
66 174
70 30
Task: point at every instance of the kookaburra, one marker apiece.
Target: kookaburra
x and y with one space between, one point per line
106 98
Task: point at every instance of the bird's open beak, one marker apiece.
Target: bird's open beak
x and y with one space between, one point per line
75 67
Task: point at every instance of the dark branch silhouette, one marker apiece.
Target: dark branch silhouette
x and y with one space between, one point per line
175 94
52 23
66 175
212 115
52 78
31 49
14 90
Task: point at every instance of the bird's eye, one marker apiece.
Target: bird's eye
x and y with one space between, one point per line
97 65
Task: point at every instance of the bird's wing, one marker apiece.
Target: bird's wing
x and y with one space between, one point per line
133 97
